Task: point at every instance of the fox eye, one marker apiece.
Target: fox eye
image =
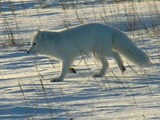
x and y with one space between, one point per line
34 43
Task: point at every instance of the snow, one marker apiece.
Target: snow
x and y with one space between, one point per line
25 88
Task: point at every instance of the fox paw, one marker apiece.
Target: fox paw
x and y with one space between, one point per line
56 80
98 75
72 70
123 69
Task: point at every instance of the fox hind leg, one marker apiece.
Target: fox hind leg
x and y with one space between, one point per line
119 61
104 63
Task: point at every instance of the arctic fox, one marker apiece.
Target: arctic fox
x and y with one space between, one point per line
101 40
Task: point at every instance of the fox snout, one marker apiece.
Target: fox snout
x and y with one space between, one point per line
32 50
28 51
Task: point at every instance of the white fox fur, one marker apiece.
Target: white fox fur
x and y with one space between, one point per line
102 40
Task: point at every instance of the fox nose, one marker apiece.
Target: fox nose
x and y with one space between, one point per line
27 51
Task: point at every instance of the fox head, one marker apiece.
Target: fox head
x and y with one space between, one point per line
35 43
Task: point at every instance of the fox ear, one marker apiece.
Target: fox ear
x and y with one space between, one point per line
38 32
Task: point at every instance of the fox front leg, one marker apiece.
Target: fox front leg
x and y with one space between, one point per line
64 70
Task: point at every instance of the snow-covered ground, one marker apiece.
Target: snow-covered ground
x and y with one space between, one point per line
25 88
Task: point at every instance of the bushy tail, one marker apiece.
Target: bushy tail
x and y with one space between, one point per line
123 45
